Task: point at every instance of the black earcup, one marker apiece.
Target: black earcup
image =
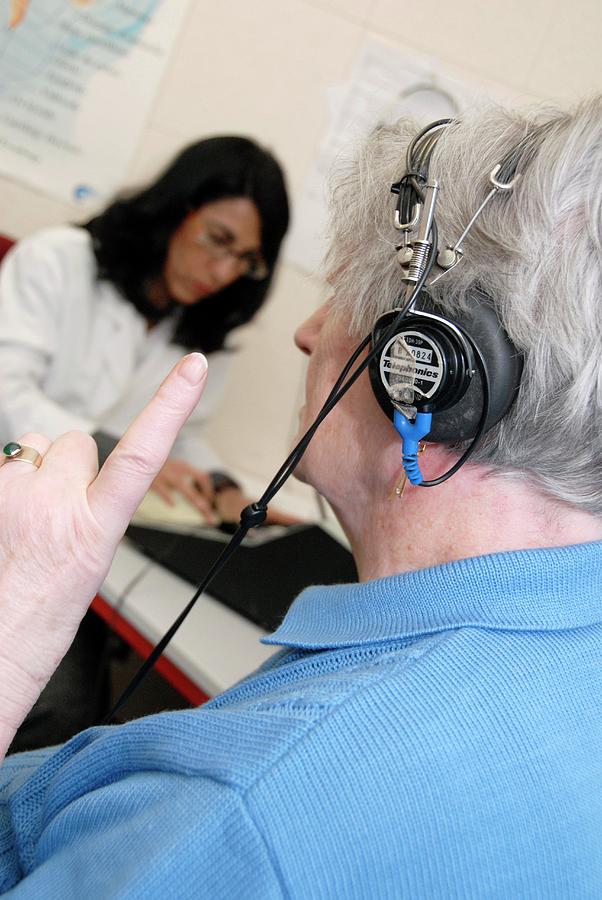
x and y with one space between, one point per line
457 403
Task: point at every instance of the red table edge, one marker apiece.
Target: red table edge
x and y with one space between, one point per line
181 682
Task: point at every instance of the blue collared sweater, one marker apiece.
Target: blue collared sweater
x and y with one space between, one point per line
430 735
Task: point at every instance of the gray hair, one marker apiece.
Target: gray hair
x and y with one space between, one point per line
537 252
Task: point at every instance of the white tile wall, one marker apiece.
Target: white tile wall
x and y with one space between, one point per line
354 10
496 40
260 69
568 63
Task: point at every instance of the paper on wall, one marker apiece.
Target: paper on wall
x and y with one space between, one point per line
77 79
386 84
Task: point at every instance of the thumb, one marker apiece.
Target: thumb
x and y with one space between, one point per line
126 476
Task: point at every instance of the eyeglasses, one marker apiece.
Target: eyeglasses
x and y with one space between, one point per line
251 264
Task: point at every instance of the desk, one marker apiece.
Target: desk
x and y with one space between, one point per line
213 649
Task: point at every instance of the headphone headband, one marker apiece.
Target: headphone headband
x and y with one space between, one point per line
462 371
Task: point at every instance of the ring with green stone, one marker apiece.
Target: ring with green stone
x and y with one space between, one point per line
20 452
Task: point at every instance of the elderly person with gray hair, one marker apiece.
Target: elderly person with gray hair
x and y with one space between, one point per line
435 729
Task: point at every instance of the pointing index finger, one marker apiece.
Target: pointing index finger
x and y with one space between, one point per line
129 471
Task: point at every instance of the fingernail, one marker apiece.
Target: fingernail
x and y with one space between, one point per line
193 368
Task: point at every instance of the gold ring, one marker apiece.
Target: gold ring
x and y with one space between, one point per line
14 451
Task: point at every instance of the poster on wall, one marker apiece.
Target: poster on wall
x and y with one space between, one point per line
386 84
77 80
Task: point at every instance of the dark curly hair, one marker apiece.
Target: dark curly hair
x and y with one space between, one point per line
131 237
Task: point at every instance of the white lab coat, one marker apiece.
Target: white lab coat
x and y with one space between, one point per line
74 354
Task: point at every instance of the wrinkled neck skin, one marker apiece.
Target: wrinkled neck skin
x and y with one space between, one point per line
472 514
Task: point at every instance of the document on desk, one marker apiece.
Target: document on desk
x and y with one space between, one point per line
181 517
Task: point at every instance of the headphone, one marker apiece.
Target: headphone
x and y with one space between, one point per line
446 379
430 365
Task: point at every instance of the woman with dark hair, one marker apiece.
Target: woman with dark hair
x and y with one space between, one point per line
132 239
92 317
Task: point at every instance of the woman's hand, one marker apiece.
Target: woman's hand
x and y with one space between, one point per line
222 505
194 484
59 530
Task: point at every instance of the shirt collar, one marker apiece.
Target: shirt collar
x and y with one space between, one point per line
542 590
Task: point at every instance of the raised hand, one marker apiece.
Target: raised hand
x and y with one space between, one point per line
59 529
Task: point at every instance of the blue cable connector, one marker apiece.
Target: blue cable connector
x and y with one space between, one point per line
411 433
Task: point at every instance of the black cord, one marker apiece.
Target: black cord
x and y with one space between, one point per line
418 157
481 426
410 160
522 152
156 652
108 650
288 466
